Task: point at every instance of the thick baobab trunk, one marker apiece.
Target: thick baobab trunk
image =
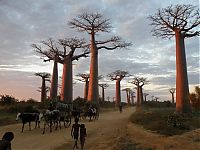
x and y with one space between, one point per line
118 94
67 85
54 80
93 93
172 98
141 95
182 89
43 91
128 97
145 98
103 95
138 96
86 89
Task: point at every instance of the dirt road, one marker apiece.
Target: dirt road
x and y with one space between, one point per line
100 134
111 132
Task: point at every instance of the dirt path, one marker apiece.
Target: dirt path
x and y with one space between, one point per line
100 134
110 132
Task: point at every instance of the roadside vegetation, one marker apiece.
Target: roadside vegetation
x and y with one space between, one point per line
159 117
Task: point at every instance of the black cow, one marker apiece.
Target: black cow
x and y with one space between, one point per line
29 117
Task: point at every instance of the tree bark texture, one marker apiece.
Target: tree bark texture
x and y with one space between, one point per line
182 89
86 89
118 93
54 80
93 93
141 95
67 83
43 90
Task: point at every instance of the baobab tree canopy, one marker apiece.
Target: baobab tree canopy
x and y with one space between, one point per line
179 18
118 75
92 23
139 81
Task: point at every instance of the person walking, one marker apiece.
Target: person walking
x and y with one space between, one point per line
75 132
82 135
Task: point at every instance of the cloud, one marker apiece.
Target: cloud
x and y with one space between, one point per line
24 22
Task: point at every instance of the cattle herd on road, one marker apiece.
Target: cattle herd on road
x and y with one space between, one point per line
54 117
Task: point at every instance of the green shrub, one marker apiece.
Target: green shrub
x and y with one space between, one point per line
164 121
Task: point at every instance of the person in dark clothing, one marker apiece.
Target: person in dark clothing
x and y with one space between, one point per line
82 135
75 132
120 108
5 143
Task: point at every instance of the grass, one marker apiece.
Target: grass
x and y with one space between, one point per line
124 143
155 119
7 118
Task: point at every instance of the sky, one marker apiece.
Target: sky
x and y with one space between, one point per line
24 22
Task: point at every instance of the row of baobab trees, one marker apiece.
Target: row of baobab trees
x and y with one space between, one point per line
118 75
179 21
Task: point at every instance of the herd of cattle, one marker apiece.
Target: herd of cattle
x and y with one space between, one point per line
55 117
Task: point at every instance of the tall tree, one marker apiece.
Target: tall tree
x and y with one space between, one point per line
84 77
50 52
139 82
172 91
180 21
118 75
94 23
132 96
63 52
156 98
128 95
145 96
68 55
45 77
103 87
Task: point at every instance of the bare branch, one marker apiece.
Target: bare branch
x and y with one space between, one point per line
104 85
90 22
183 17
139 81
118 75
43 75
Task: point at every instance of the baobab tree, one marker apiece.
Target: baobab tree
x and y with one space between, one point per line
145 96
50 52
128 95
65 54
108 98
118 75
132 96
156 98
139 82
68 56
45 77
180 21
84 77
103 87
46 90
152 98
94 23
172 91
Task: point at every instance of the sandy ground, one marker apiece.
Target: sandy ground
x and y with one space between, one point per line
102 134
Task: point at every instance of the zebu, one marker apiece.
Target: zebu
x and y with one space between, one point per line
29 117
65 111
91 113
50 118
